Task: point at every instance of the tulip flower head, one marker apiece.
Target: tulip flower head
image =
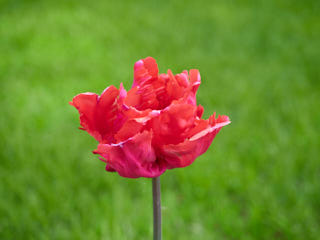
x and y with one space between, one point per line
153 127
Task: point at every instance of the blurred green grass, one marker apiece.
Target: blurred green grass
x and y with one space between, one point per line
259 62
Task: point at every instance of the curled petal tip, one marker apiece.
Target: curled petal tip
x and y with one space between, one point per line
144 70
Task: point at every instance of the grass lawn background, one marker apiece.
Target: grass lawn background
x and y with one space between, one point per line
259 62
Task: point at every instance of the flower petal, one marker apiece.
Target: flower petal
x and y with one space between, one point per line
145 70
200 111
106 113
195 80
132 158
99 115
86 104
174 90
132 98
172 124
122 94
183 154
128 130
182 79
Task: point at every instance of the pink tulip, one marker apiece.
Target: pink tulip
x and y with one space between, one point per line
153 127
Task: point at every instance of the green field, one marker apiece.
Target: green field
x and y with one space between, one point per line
260 65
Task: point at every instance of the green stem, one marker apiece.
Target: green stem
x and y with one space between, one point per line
156 208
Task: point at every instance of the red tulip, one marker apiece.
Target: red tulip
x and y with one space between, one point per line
153 127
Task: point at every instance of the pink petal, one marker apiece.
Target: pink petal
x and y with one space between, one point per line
144 70
174 90
190 93
106 113
86 104
109 169
195 79
122 94
128 130
173 122
183 154
148 97
99 115
132 98
200 111
132 158
182 79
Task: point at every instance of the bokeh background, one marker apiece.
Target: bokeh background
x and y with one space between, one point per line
259 62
